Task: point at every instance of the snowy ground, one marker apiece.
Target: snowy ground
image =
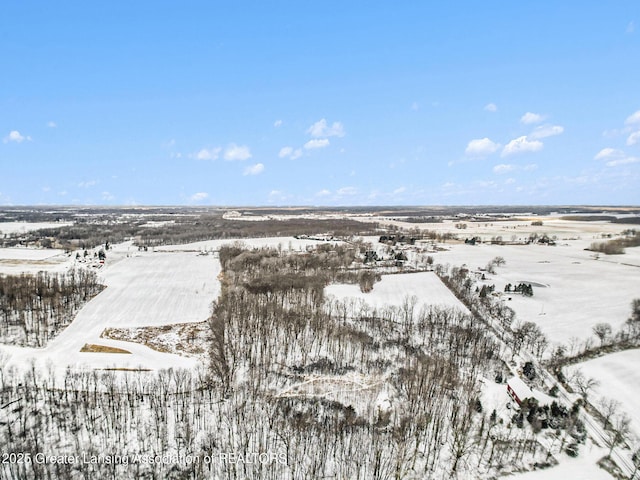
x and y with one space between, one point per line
142 289
576 291
23 227
286 243
28 253
583 467
14 261
619 378
517 229
394 289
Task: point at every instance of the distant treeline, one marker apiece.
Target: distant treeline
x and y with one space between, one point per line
616 246
602 218
89 232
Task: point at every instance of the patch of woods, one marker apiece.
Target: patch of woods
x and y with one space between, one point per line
35 308
616 246
291 348
326 263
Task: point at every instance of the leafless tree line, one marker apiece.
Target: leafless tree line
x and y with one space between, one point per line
35 308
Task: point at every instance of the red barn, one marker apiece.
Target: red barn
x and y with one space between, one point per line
518 390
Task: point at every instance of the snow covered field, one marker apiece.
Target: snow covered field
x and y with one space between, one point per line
287 243
14 261
23 227
576 291
619 378
394 289
144 289
28 253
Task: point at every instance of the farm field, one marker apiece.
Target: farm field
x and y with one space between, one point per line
28 253
572 290
15 263
23 227
618 378
286 243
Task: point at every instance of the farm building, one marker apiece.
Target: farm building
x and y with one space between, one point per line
520 391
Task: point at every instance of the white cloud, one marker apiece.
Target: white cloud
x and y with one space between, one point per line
529 118
491 107
52 124
322 129
107 196
631 27
347 191
198 197
285 152
415 107
531 167
608 153
208 154
615 157
481 147
289 152
87 184
277 123
520 145
323 193
622 161
503 168
317 143
237 152
399 190
633 118
15 136
633 138
256 169
544 131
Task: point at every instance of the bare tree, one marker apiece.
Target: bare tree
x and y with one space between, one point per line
602 330
608 409
618 433
584 384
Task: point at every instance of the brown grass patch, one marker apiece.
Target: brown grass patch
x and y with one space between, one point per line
92 348
187 339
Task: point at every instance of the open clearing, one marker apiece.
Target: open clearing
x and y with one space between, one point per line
392 290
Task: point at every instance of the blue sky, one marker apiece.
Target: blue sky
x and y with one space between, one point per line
331 103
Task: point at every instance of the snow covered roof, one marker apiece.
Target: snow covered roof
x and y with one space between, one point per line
523 391
519 388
